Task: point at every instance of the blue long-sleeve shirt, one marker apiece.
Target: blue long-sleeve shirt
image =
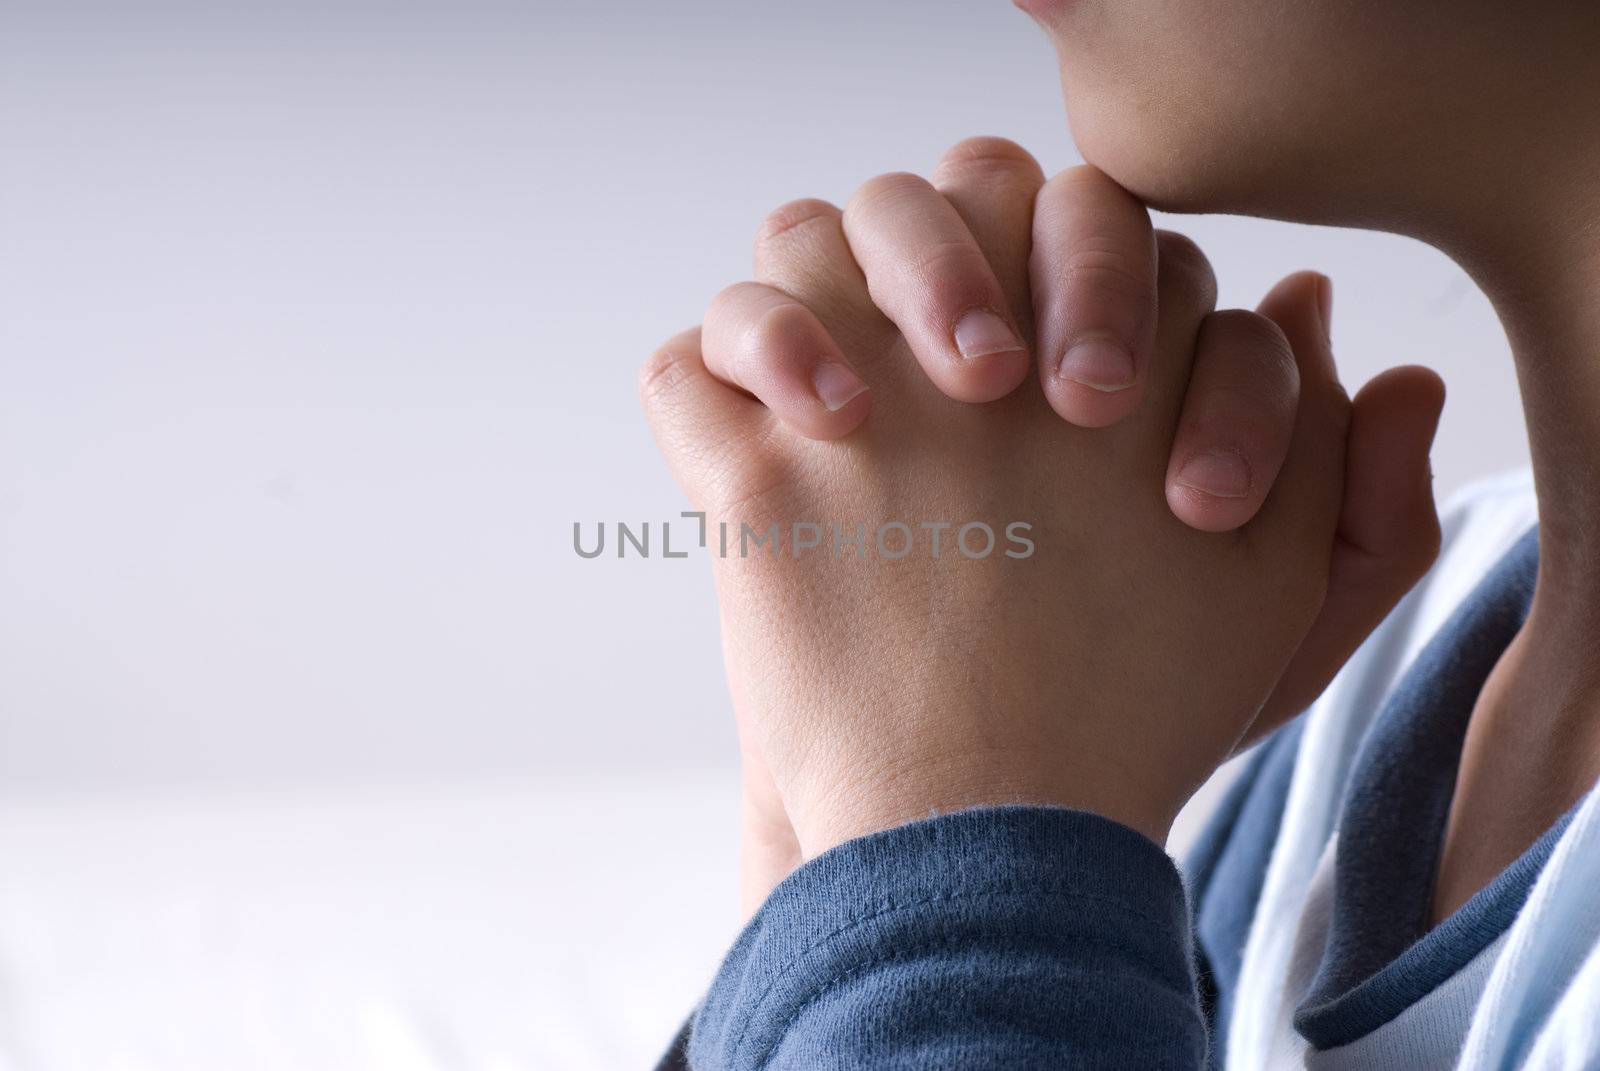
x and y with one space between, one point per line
961 941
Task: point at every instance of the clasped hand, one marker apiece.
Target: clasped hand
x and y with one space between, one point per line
1214 525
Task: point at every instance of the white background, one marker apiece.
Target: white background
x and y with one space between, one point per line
319 328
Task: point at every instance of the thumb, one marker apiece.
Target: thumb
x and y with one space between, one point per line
1387 537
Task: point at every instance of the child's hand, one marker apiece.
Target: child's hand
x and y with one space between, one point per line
1114 666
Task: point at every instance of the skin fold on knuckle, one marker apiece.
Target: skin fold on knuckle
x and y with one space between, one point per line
1109 289
1103 265
660 377
950 278
885 195
1260 373
986 155
793 216
799 244
783 336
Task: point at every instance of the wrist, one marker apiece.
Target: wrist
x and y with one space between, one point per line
863 802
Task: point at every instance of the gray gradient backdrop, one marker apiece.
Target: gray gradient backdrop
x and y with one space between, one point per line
319 325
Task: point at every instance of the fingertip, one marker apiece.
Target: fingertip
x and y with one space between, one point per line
979 357
1096 383
1410 388
1428 384
1207 512
1389 511
1103 364
836 385
828 403
1431 387
762 341
1214 489
1305 290
927 273
989 362
844 398
1300 304
984 379
1089 406
1094 272
1237 425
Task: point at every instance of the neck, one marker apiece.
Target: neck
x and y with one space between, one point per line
1543 278
1533 746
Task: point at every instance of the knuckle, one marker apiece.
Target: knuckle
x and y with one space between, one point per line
1103 265
665 370
1181 250
988 153
943 279
1253 337
886 191
733 315
1083 175
778 341
792 216
727 304
1259 370
1185 270
1085 190
952 266
779 330
1084 186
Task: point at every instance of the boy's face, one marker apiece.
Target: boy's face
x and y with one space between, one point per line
1340 112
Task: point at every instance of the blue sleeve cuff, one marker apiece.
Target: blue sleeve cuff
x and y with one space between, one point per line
1006 937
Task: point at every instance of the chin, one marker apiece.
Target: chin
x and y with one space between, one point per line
1043 9
1186 140
1188 160
1160 163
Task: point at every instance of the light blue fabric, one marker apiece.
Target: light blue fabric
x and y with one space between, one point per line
1381 956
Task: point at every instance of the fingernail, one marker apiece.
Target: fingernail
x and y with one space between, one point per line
837 385
1325 305
1220 473
1100 363
980 333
